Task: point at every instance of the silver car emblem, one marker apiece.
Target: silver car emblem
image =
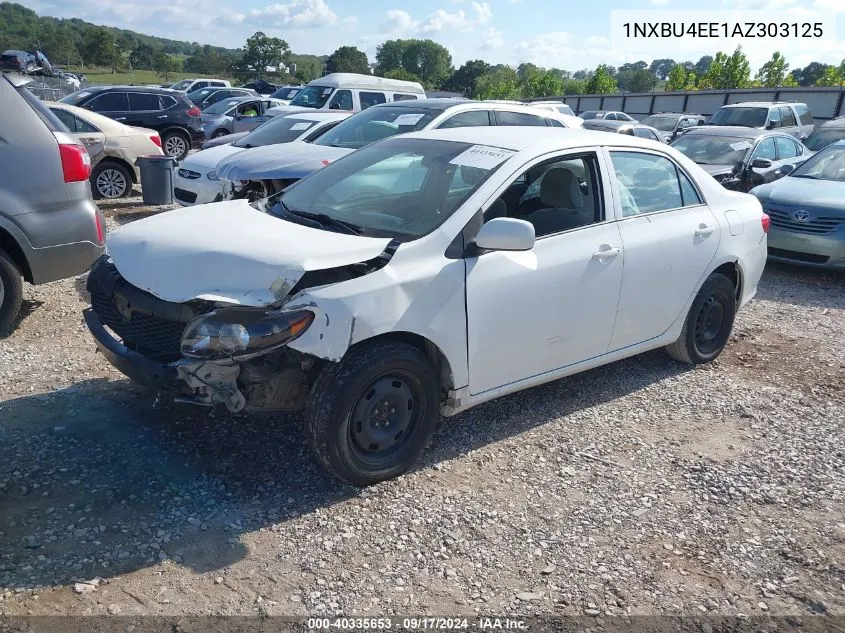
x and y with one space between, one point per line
802 215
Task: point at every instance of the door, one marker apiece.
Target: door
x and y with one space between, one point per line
790 153
114 105
144 110
532 312
669 238
248 116
92 138
789 123
767 150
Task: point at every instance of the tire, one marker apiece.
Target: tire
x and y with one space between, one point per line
11 293
110 181
176 144
353 401
709 322
219 132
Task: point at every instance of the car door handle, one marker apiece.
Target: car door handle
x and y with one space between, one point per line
607 253
704 230
163 116
120 118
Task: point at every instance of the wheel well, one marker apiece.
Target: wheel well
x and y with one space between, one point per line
121 162
13 249
435 355
732 272
176 130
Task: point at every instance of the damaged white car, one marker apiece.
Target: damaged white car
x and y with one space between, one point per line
425 274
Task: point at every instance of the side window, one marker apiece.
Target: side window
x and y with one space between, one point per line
369 99
643 133
787 117
554 123
473 118
650 183
319 131
786 148
248 109
804 114
342 100
765 149
166 102
684 123
199 85
775 120
109 102
65 117
610 116
218 84
520 118
557 195
84 127
141 102
398 96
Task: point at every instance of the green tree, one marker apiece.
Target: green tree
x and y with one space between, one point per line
99 47
601 81
142 56
541 83
727 72
400 73
691 82
463 80
348 59
574 86
260 52
499 83
830 77
166 65
677 79
426 59
638 80
702 65
774 72
661 68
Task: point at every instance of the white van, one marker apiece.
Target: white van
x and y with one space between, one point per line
189 85
348 91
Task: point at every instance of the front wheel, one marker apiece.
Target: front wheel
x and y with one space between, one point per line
709 322
111 180
370 416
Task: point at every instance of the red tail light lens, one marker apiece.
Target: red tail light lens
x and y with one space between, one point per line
194 111
767 222
76 163
101 234
156 139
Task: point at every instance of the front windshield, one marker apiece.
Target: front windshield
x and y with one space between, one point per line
312 96
662 123
744 117
829 164
280 129
822 138
221 106
707 149
285 93
402 188
376 123
589 114
181 85
198 95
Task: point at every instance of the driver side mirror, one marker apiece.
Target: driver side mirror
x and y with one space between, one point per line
761 163
506 234
770 125
786 169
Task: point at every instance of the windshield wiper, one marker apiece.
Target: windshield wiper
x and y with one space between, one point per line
327 220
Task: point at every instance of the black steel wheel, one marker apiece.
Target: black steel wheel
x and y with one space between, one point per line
709 322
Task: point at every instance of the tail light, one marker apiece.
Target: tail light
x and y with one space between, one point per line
76 163
766 221
156 139
194 111
101 234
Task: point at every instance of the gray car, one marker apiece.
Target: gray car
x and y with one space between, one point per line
826 133
780 116
239 114
807 211
49 226
625 127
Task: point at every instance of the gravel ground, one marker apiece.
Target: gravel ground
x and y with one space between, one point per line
644 487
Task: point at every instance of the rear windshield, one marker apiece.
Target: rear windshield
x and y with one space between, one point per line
589 114
280 129
44 113
745 117
374 124
662 123
822 138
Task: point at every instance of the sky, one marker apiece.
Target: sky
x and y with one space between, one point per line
549 33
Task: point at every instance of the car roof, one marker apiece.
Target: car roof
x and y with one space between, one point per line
730 130
520 138
354 80
149 89
760 104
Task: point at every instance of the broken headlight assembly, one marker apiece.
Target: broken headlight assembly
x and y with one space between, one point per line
240 333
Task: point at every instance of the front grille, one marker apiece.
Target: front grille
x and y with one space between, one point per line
816 224
189 174
153 328
185 196
797 256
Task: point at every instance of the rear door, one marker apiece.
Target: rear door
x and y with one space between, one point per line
243 123
93 139
669 238
144 110
114 105
789 122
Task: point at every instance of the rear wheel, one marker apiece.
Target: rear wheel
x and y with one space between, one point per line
176 144
709 322
11 293
370 416
219 133
111 180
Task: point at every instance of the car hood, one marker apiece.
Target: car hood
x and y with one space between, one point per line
803 192
208 158
717 170
228 252
287 160
224 140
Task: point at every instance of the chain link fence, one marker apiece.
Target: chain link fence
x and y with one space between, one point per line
53 88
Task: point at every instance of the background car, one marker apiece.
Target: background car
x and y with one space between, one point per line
610 115
624 127
196 181
169 113
554 106
205 97
807 210
741 158
240 114
261 86
286 93
826 133
785 116
673 124
189 85
50 227
112 146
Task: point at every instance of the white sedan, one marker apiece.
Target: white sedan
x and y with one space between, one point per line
481 261
196 180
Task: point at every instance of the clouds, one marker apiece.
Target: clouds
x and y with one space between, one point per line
400 23
493 38
299 14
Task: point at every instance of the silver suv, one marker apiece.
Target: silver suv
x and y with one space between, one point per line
49 226
784 116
